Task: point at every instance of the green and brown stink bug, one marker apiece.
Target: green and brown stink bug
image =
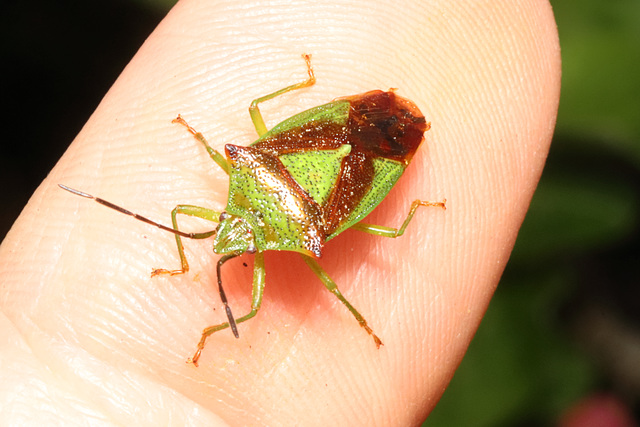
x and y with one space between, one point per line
301 184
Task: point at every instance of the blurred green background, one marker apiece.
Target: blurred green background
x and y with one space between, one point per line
564 324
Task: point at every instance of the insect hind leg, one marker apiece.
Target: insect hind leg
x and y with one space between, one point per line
381 230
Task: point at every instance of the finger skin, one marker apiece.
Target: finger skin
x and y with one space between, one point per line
85 323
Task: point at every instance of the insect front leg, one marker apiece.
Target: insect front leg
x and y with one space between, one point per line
254 111
213 153
195 211
380 230
333 288
259 276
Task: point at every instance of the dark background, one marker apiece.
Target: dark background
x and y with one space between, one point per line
59 59
564 326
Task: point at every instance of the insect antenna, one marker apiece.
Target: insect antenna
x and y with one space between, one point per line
223 296
127 212
225 258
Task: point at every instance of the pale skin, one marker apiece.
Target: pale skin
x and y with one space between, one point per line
87 333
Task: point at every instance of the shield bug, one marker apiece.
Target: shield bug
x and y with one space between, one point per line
301 184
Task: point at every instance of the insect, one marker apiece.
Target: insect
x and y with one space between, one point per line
301 184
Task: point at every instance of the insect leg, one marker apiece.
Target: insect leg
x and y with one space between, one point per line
195 211
256 300
333 288
380 230
213 153
254 111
